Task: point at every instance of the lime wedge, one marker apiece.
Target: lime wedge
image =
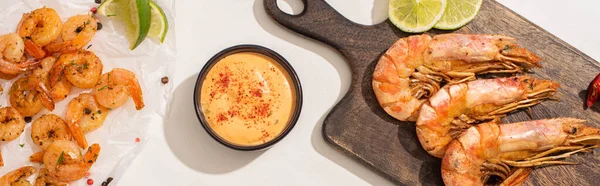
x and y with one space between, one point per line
416 16
135 14
159 24
458 13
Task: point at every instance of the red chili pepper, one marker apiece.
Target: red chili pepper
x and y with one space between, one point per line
593 91
137 140
90 181
94 9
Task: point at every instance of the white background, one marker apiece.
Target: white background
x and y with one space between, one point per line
179 152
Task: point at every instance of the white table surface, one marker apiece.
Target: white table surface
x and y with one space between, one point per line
179 152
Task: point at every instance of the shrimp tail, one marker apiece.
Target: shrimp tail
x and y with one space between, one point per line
56 73
37 157
136 94
78 134
72 119
16 68
46 97
34 50
92 154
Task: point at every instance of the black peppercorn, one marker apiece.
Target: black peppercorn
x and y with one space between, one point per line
99 26
27 119
164 80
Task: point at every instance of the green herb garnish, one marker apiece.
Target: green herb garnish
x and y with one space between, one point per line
102 88
61 158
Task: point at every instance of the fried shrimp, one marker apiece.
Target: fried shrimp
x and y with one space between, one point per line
17 177
12 125
62 88
84 114
49 128
11 56
64 161
39 28
414 68
457 107
76 33
116 86
508 151
82 68
29 94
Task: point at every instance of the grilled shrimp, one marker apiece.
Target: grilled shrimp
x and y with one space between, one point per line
83 115
64 161
45 179
11 55
82 68
39 28
29 94
509 150
17 177
47 129
457 107
12 125
414 67
62 88
116 86
76 33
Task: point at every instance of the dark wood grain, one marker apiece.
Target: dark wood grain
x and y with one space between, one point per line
362 130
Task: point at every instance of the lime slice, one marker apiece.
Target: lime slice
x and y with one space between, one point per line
159 24
458 13
135 14
416 16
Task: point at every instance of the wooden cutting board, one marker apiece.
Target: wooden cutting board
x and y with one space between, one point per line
359 128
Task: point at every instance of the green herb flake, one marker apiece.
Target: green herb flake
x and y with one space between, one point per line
102 88
61 158
111 15
22 145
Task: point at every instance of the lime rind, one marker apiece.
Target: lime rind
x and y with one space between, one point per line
134 14
451 20
142 19
416 16
161 32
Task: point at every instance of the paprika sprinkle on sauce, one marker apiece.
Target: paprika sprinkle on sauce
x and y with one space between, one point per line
247 98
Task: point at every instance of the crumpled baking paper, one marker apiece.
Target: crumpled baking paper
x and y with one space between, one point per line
117 137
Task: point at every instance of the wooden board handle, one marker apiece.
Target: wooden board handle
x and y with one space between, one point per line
318 20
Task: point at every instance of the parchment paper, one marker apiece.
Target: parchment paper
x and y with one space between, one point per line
150 61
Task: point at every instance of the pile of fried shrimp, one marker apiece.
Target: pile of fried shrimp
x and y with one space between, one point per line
48 56
435 82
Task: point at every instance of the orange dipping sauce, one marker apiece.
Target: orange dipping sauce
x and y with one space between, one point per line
247 99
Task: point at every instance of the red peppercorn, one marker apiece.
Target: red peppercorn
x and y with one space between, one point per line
94 10
137 140
90 181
